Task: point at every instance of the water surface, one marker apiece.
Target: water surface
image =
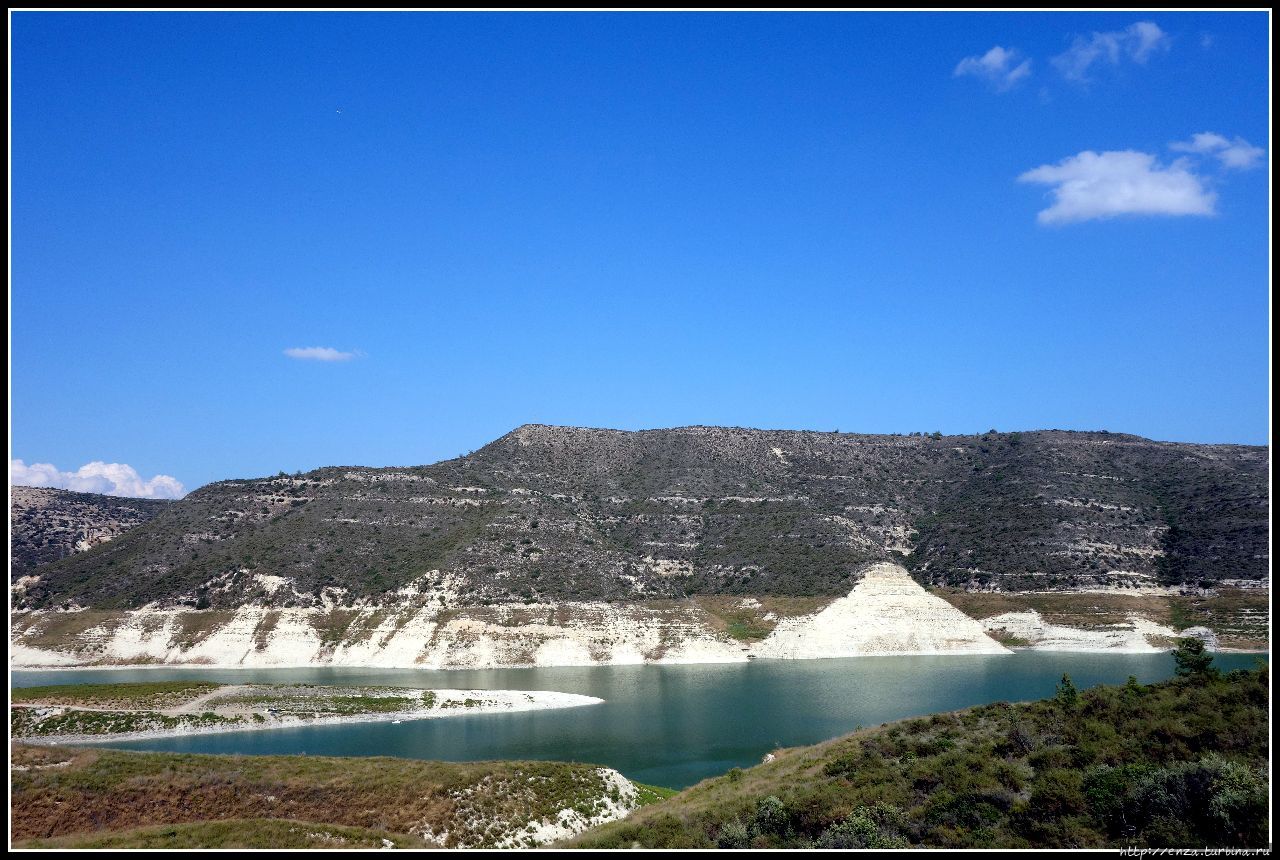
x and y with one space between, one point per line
664 725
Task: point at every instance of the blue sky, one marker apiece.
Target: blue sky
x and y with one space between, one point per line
869 222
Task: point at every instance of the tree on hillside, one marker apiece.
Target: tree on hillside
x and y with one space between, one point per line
1066 694
1191 660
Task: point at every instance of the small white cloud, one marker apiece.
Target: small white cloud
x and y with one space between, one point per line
1236 154
999 67
1137 42
111 479
318 353
1143 39
1094 185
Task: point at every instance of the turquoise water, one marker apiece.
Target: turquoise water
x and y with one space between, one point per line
663 725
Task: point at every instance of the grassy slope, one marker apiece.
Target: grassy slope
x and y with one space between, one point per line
146 695
1238 615
92 794
236 833
1178 763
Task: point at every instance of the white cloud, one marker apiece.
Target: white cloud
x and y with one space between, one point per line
112 479
1094 185
1137 42
1237 154
318 353
1144 39
999 67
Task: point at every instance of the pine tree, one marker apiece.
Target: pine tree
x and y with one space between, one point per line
1191 660
1066 696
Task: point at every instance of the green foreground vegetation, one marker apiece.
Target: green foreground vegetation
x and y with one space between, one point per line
141 695
1177 764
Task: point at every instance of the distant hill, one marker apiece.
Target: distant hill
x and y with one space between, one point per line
558 513
49 524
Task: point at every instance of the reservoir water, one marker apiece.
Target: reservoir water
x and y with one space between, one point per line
663 725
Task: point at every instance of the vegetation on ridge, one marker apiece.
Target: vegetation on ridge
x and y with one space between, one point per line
549 514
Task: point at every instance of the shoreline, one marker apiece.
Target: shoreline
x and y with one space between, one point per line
1012 649
885 613
510 702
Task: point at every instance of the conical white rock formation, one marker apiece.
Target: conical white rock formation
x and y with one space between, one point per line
887 612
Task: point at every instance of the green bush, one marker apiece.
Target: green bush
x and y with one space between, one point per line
876 826
734 834
772 817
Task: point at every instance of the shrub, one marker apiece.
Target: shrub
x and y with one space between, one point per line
1212 801
1057 793
876 826
771 816
734 834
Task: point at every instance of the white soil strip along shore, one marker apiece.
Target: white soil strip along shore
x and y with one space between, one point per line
887 612
448 703
1040 635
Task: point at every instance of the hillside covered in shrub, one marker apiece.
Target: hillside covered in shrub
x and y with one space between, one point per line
1176 764
47 524
549 514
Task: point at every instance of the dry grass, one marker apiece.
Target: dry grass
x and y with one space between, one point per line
333 627
751 623
101 791
196 626
235 833
262 633
60 629
1239 616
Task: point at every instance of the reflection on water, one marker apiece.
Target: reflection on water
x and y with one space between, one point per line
664 725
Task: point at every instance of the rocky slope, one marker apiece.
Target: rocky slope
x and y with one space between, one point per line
886 613
49 524
564 546
553 514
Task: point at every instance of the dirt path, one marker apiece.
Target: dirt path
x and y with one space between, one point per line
196 705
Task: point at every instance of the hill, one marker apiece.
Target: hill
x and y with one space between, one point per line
49 524
86 798
550 514
1177 764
